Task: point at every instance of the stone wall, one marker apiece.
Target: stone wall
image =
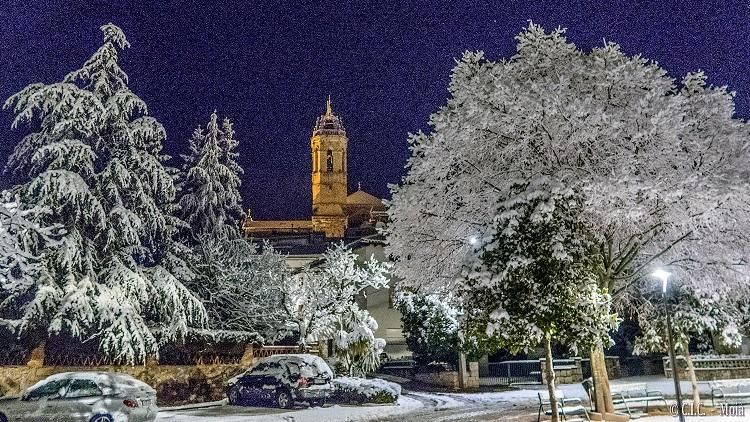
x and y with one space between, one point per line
614 370
174 384
449 379
711 368
569 371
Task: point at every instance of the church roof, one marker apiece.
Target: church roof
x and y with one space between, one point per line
361 197
329 123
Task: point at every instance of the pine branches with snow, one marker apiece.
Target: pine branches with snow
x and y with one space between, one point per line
93 160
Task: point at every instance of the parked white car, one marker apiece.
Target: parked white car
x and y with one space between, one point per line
83 396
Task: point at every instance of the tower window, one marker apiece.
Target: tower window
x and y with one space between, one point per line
329 161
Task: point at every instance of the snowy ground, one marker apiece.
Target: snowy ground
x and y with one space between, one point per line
317 414
507 406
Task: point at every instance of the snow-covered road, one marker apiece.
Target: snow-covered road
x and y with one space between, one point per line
227 413
412 407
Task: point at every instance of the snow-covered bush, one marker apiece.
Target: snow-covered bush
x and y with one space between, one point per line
430 327
93 160
352 390
356 349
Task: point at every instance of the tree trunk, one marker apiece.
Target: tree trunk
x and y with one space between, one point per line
693 379
602 395
549 373
302 335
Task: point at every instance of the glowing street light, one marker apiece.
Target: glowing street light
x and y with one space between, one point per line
664 277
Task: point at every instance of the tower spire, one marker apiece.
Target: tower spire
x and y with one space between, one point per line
329 111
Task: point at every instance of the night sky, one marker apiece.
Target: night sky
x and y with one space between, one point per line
270 66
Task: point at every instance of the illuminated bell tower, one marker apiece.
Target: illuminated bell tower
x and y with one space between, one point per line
329 184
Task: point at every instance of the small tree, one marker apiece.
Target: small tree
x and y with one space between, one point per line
321 300
430 327
694 313
532 280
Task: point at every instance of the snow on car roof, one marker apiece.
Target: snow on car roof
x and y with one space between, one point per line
110 379
308 359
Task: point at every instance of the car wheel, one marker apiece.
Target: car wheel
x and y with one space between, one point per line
234 395
318 403
101 418
284 399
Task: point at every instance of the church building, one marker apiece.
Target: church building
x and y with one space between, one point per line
336 216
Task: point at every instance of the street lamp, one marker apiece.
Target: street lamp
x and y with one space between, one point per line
664 277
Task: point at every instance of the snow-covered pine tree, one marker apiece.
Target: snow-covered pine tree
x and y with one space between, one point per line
532 279
93 161
321 301
211 203
661 167
228 144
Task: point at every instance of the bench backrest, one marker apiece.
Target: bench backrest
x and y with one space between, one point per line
636 389
544 396
731 386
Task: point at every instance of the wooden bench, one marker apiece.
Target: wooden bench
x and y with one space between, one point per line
572 406
630 394
736 391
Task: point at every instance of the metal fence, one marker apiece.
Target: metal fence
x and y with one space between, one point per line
511 372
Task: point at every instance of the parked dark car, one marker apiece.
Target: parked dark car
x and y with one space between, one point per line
283 380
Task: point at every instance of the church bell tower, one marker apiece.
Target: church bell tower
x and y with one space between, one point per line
329 184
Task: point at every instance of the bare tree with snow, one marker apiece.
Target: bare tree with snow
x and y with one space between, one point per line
241 286
93 160
662 167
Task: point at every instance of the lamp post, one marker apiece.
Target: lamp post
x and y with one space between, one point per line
664 277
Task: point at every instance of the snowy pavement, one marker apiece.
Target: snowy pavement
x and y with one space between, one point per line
511 406
317 414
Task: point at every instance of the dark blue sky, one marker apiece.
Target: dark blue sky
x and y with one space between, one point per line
269 67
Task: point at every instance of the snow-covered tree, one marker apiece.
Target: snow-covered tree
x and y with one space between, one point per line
240 286
93 161
695 314
430 327
211 203
321 300
532 278
662 168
